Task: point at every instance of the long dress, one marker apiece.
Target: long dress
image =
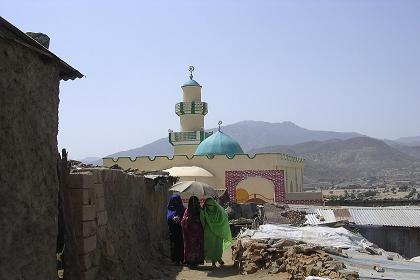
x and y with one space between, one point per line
175 209
193 237
217 235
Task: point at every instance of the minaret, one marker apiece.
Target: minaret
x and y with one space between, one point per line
191 112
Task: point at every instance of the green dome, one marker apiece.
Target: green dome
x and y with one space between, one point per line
191 83
219 144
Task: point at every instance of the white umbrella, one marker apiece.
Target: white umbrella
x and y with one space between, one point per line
194 188
188 171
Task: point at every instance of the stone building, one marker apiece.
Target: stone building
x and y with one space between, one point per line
264 177
30 75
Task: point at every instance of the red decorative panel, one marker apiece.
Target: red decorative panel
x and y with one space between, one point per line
232 179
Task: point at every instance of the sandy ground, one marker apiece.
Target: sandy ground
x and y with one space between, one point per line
226 272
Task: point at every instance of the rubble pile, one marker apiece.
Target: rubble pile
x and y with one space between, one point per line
276 213
298 259
295 217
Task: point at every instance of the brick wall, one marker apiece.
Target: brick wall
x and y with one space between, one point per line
119 221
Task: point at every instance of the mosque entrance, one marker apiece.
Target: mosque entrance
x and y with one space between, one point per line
255 189
233 179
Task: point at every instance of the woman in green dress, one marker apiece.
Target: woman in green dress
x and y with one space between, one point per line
217 235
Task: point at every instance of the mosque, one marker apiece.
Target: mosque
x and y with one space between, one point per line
217 159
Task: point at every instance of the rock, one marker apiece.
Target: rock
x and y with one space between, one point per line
349 275
283 243
296 258
249 268
379 268
282 268
259 246
372 251
41 38
333 274
335 251
274 268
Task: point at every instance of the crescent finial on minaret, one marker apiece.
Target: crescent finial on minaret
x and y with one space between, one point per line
191 69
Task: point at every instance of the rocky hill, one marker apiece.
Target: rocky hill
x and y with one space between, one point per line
330 156
251 135
346 159
409 141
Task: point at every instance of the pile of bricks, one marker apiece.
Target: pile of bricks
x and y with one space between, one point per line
298 259
89 214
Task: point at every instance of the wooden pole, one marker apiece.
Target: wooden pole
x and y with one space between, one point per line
72 270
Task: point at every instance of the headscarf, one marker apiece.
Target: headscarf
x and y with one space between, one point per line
192 213
194 206
175 207
216 218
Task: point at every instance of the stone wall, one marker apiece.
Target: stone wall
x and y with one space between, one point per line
120 222
29 100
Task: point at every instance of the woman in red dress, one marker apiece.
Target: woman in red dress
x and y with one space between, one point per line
193 234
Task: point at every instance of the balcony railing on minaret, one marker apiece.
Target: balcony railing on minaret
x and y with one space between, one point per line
188 137
183 108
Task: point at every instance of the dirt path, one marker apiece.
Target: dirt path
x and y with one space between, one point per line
226 272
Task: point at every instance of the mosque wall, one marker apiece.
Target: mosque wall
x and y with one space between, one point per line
218 164
184 150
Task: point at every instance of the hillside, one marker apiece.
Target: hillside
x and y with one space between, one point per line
251 135
409 141
411 150
346 159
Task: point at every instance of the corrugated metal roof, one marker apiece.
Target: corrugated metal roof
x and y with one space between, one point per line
397 217
326 215
11 32
316 215
406 216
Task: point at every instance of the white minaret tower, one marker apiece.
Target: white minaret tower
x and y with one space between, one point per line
191 112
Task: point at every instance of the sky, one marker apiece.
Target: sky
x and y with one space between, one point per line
324 65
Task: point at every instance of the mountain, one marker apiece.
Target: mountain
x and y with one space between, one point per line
413 151
158 147
409 141
92 160
251 135
358 157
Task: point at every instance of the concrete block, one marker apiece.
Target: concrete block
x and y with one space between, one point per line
99 190
86 244
100 204
101 218
84 212
90 274
83 196
85 228
82 180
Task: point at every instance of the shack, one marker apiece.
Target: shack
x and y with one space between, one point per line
30 75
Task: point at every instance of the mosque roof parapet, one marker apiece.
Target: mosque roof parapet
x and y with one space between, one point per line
210 157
